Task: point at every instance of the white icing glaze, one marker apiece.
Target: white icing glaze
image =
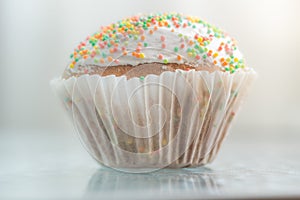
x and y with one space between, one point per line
160 41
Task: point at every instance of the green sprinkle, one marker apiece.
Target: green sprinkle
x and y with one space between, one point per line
76 59
145 44
103 55
180 35
204 56
176 49
226 68
194 26
71 56
95 60
165 61
201 50
142 78
135 37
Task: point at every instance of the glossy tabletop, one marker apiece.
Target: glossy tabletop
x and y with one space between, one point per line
253 163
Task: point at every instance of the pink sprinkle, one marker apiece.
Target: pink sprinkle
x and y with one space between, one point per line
117 61
87 38
138 49
163 45
115 49
196 36
162 38
93 54
141 31
123 48
198 57
101 45
182 46
160 56
86 71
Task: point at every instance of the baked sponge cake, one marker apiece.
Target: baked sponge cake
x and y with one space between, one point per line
154 91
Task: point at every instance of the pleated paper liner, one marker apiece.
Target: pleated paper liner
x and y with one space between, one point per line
177 119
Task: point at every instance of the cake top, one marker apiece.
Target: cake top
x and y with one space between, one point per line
162 38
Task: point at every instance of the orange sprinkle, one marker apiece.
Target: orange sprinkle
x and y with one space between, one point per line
109 58
111 50
124 53
143 37
85 56
140 44
151 32
224 64
215 62
155 28
178 57
191 42
102 60
134 53
222 59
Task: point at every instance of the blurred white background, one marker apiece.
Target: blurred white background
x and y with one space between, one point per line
37 37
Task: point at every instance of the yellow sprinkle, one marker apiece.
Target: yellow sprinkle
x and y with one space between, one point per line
236 60
190 54
142 55
228 59
71 66
215 55
200 39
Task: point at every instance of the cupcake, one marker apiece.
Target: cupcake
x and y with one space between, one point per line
154 91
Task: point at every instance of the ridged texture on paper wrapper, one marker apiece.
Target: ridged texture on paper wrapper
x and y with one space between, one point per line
177 119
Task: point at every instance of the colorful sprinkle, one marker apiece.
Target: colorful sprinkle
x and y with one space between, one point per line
138 33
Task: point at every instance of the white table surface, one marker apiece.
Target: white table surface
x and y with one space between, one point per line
253 163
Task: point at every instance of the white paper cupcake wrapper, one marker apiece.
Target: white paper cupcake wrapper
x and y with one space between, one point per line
176 119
